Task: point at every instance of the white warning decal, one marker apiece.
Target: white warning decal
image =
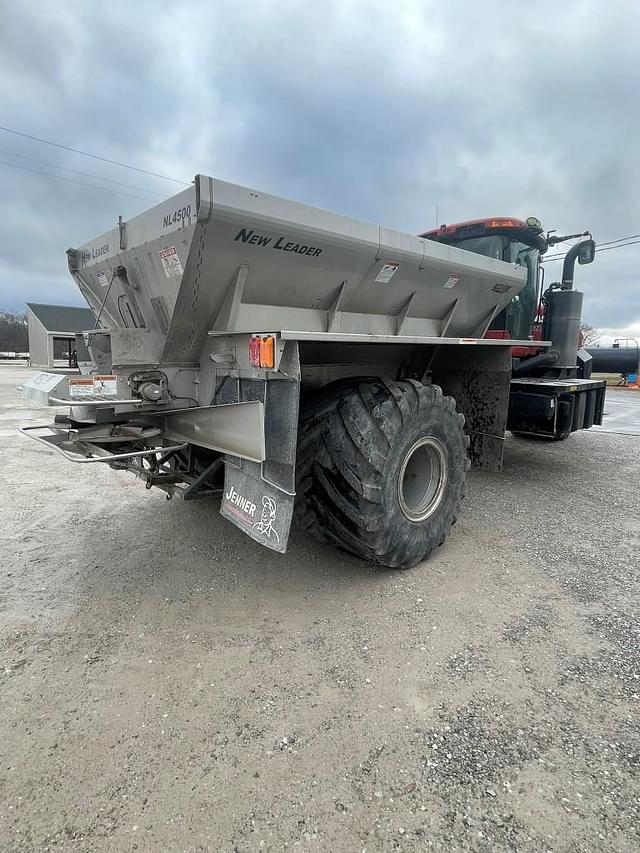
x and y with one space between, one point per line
389 269
93 386
106 386
451 281
171 262
81 387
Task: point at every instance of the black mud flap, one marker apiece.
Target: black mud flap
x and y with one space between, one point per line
259 509
258 497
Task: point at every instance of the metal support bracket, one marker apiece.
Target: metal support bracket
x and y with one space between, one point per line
481 330
403 314
448 317
227 316
334 308
200 488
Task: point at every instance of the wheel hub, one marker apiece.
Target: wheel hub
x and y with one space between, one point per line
422 479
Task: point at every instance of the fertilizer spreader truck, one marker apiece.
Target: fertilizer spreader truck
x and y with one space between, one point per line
303 365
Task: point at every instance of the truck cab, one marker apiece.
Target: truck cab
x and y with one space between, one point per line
512 240
552 393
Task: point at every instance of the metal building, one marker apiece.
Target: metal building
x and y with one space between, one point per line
52 330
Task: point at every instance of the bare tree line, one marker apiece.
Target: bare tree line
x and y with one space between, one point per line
13 333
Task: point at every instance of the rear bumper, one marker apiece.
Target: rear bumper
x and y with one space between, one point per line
554 408
75 450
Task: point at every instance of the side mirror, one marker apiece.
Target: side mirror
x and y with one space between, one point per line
586 251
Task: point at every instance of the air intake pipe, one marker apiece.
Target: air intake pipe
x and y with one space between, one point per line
569 265
562 317
563 308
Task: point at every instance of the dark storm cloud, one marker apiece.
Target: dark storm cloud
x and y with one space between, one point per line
381 111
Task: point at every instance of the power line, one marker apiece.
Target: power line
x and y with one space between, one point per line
608 248
547 258
619 240
77 172
600 247
93 156
72 181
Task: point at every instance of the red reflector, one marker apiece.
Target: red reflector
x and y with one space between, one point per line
254 350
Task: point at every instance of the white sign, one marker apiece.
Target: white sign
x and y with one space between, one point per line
43 381
451 281
105 386
389 269
39 386
171 262
81 387
102 279
93 386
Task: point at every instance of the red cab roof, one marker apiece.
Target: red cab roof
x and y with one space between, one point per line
492 222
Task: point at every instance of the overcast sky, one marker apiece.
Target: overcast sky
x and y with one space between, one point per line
379 110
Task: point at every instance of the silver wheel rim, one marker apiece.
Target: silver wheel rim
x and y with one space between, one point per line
422 479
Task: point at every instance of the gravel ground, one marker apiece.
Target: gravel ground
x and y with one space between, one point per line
168 685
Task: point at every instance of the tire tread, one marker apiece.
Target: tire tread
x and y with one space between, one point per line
344 442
